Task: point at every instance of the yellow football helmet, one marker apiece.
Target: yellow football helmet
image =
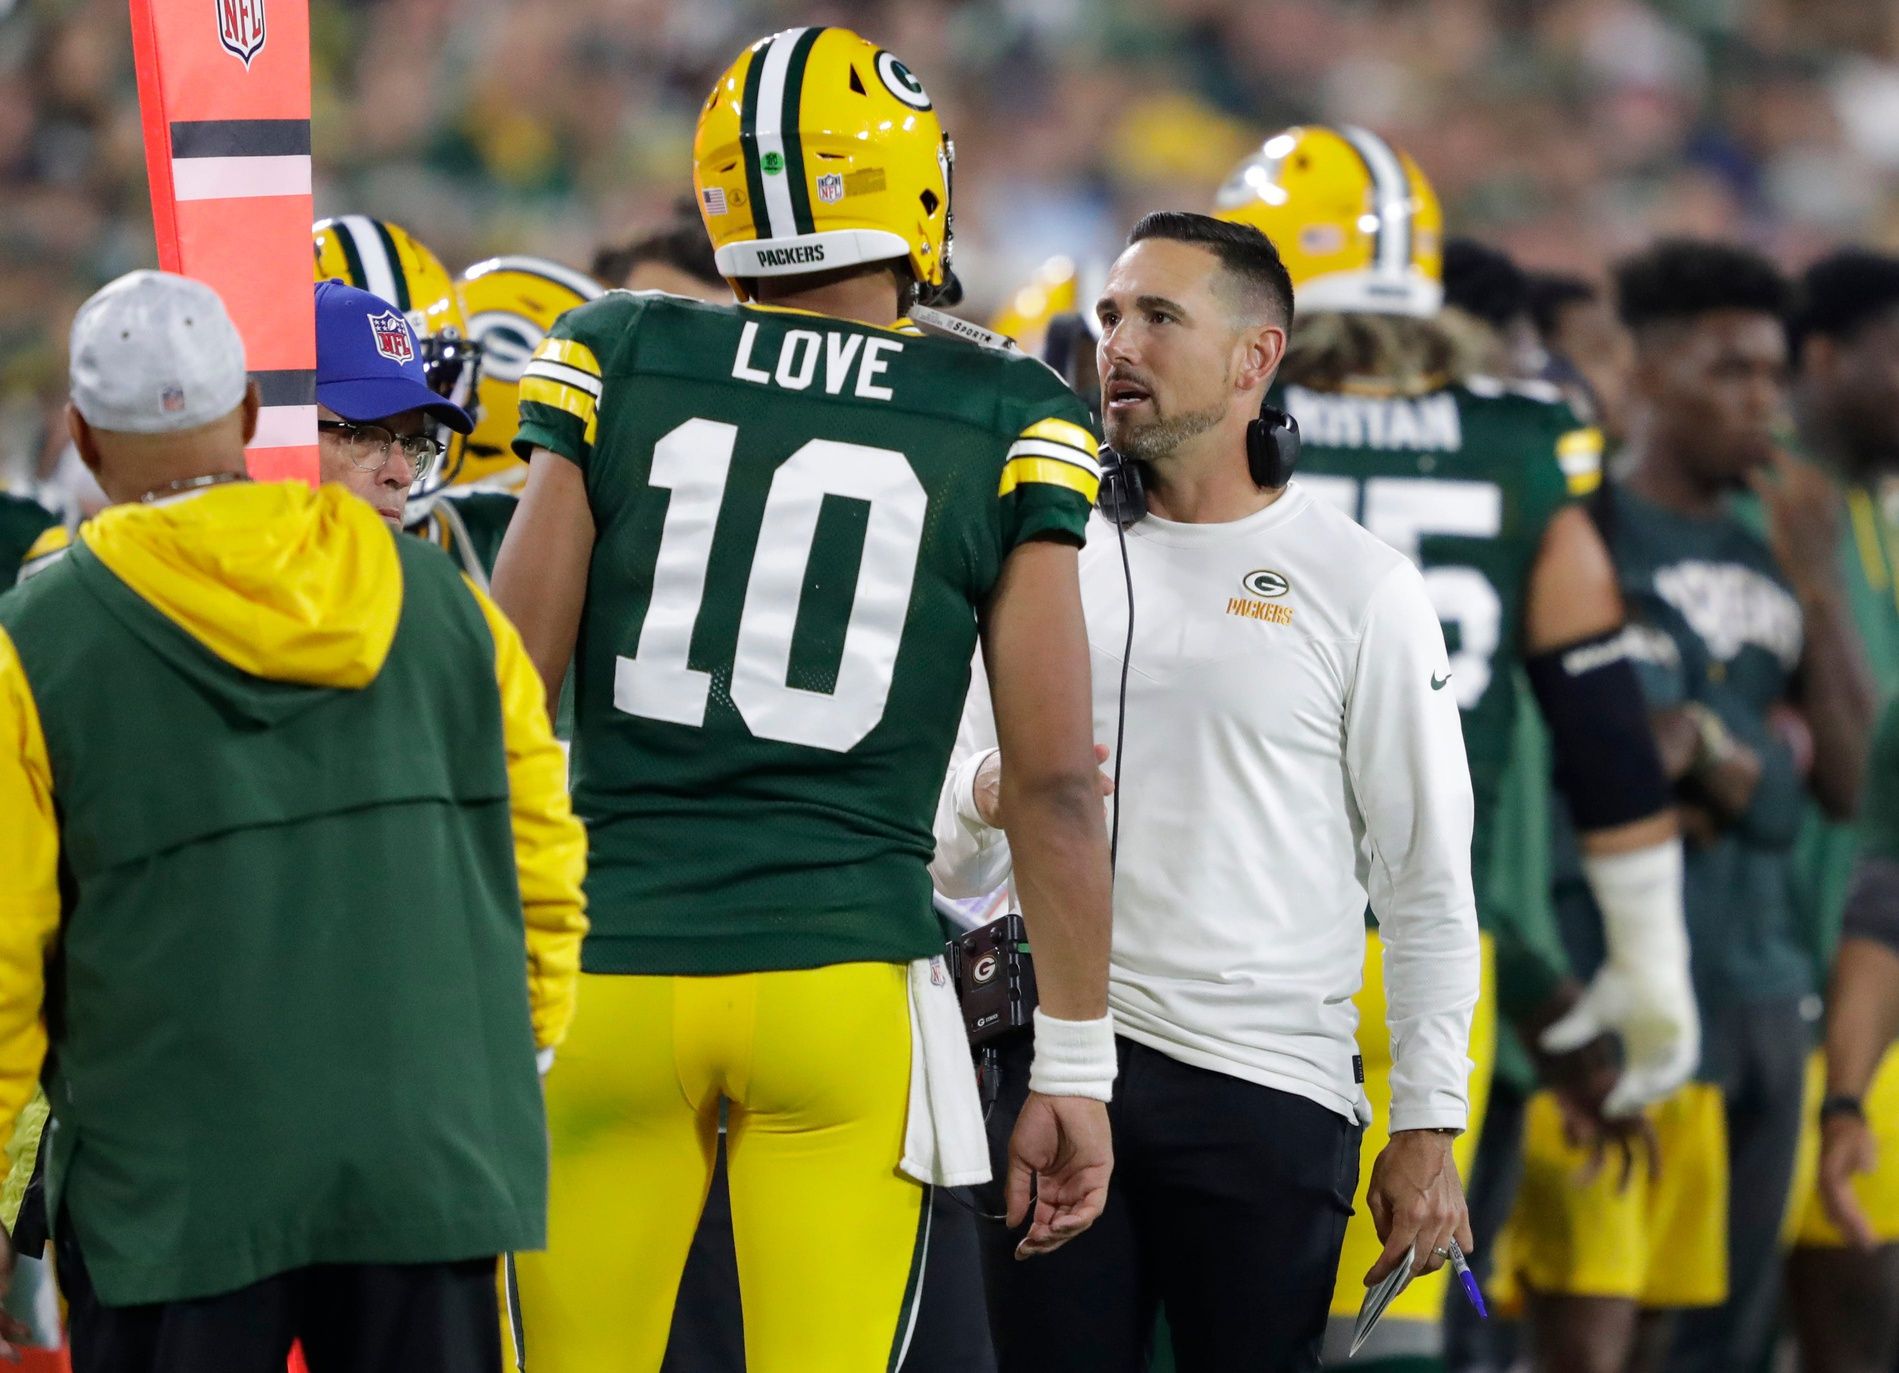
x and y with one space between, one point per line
1355 220
817 150
1055 289
387 260
512 302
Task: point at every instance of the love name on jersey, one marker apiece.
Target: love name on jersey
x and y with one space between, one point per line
805 354
1417 424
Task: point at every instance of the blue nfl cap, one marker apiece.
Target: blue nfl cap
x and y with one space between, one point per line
368 366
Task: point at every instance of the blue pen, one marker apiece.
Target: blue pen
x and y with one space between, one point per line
1469 1281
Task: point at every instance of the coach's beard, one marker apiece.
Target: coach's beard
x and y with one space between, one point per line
1156 440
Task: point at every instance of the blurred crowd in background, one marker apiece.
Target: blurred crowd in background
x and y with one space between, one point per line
1566 131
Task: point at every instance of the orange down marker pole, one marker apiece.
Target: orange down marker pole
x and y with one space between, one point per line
224 97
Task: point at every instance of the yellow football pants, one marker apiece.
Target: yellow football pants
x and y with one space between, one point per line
1878 1191
830 1237
1423 1298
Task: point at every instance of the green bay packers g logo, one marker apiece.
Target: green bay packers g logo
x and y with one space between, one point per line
898 81
1265 585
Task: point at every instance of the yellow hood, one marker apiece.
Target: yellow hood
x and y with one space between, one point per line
280 581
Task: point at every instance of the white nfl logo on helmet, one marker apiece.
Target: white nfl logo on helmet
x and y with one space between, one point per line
831 188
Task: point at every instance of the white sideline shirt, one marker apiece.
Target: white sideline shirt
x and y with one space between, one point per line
1291 753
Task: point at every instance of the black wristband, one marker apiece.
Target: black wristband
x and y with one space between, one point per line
1843 1106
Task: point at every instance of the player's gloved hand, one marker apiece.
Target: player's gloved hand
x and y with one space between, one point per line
1653 1010
1642 992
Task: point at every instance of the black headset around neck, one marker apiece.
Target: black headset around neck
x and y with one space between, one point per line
1272 452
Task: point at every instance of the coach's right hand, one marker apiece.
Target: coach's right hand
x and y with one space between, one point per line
1061 1151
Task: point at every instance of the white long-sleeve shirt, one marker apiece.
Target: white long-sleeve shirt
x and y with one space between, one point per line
1290 754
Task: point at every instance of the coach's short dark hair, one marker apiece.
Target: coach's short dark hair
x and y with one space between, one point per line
681 244
1845 291
1246 255
1680 278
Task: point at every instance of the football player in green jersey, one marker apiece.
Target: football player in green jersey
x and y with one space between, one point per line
22 522
1856 1176
1474 479
1758 698
1846 400
775 531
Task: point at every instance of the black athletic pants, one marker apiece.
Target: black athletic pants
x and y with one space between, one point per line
352 1318
1228 1208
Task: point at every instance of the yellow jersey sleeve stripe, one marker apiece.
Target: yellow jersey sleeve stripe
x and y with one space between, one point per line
570 351
1579 454
561 396
1050 472
1061 431
1058 452
1578 442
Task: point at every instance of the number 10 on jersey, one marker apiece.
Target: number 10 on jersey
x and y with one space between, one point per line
694 463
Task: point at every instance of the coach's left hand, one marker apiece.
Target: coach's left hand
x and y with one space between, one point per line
1417 1202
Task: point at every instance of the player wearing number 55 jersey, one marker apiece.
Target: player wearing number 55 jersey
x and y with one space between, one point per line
1473 480
774 531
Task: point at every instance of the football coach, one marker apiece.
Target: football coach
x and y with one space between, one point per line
1270 674
291 897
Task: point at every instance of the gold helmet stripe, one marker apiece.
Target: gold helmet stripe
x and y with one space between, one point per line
771 117
1391 194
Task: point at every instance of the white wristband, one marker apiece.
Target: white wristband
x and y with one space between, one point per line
1073 1057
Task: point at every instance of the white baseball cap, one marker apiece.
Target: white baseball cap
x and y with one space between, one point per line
154 353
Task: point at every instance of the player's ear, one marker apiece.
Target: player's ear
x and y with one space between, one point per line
83 442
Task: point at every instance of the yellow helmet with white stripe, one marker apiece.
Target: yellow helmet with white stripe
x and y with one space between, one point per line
511 302
818 150
387 260
1355 221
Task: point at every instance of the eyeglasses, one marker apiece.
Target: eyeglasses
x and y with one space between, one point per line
370 446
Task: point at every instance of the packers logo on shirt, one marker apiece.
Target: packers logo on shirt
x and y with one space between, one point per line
1264 584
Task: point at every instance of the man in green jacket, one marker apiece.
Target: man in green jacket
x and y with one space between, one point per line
292 897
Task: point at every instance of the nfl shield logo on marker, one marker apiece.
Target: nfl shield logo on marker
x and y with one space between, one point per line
392 336
241 28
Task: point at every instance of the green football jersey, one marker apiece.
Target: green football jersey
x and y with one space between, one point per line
797 520
1869 573
21 524
469 525
1879 808
1465 481
1714 621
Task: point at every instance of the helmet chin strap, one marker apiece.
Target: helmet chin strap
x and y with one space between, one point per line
950 326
